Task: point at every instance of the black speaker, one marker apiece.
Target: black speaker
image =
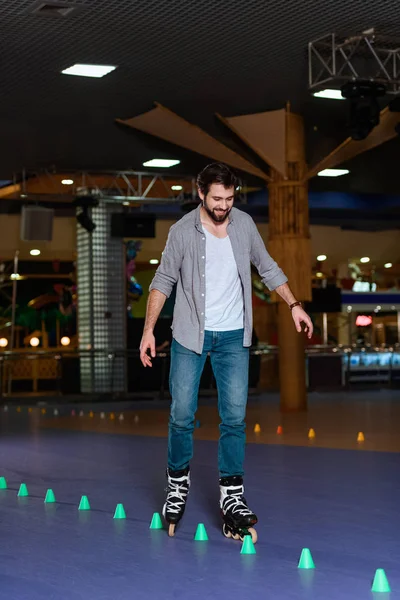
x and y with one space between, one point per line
130 225
36 224
325 300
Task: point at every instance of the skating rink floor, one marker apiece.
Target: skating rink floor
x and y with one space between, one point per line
336 496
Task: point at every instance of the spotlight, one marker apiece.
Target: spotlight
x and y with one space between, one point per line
85 221
83 218
3 342
34 342
364 106
65 341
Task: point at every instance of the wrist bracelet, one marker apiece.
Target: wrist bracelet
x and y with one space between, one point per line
294 304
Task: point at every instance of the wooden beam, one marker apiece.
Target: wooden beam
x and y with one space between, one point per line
165 124
9 190
350 148
264 133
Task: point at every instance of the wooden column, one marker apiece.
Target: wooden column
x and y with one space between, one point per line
289 245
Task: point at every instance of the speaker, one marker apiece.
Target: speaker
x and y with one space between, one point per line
36 224
325 300
131 225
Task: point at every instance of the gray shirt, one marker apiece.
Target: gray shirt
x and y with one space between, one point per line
183 262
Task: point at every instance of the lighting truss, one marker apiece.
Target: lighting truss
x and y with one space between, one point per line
111 186
333 61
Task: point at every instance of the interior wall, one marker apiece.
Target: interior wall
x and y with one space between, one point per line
62 246
339 245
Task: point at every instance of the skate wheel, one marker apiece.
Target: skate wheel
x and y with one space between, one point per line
236 536
226 531
253 534
171 529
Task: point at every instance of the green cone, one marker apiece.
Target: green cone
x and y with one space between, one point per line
120 512
50 497
156 522
201 533
3 483
306 560
23 490
380 583
248 546
84 503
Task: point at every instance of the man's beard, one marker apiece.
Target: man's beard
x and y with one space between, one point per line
216 215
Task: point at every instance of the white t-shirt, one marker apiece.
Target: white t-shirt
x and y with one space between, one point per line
224 292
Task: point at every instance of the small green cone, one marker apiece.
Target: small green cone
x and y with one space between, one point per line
248 546
306 560
3 483
201 533
23 490
50 497
84 503
156 522
120 512
380 583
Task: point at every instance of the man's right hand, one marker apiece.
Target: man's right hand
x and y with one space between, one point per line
148 343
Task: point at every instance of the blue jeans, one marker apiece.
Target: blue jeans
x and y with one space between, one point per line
230 364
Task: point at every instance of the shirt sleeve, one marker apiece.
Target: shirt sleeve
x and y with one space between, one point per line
171 260
271 274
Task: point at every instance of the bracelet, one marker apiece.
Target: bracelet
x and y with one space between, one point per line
294 304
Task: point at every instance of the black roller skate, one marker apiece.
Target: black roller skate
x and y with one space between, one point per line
175 502
238 518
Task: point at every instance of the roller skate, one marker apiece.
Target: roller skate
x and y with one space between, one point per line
238 518
175 502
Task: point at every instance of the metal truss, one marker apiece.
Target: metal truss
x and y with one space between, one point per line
362 57
124 187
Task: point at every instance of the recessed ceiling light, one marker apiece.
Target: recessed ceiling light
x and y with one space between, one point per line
177 188
388 265
321 257
162 163
154 261
333 172
88 70
365 259
331 94
34 252
67 181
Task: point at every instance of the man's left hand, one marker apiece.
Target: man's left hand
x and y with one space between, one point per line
300 316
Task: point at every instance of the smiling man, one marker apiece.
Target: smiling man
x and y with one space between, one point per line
208 254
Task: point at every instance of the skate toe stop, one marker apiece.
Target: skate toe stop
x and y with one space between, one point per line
253 534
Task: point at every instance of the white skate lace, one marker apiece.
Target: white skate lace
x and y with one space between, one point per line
178 491
234 503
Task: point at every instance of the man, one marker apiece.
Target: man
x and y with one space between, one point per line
209 254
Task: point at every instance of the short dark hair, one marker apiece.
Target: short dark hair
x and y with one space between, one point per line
216 173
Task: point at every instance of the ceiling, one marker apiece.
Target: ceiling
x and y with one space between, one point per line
196 57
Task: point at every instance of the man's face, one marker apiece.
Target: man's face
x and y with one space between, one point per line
218 202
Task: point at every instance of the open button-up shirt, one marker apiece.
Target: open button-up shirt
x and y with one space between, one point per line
183 262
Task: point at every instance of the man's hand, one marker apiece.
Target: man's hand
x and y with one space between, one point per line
148 343
300 316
